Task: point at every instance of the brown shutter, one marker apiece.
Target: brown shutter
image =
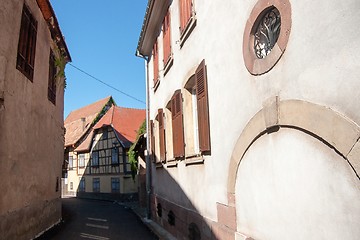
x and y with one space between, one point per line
152 138
156 63
177 124
202 107
161 135
166 37
185 13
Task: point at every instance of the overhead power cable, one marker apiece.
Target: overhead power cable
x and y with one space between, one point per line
106 84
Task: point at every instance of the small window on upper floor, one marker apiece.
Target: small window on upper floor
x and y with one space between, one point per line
166 28
27 44
187 19
52 79
155 57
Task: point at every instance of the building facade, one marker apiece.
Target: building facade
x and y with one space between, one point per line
253 118
33 55
99 166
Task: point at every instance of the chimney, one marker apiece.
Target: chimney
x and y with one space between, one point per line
83 123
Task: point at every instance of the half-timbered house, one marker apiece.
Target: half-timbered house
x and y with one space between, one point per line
101 167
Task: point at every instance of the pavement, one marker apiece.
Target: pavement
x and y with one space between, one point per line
99 220
153 226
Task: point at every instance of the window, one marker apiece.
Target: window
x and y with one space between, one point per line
156 63
52 79
95 159
177 125
105 134
202 107
161 135
196 115
71 185
82 185
115 156
127 165
71 162
166 39
115 185
27 44
81 160
266 35
185 13
96 184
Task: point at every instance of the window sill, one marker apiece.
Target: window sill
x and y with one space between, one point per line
156 84
171 163
168 64
194 159
188 30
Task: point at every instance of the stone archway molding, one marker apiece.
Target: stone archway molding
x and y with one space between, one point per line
335 129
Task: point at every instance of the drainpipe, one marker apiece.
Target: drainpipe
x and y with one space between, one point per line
147 157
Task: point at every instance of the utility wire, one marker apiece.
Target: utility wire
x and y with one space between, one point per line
106 84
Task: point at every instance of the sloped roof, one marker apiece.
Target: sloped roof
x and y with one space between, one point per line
76 127
125 121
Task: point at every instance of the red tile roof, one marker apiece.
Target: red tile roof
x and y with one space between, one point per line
76 127
125 121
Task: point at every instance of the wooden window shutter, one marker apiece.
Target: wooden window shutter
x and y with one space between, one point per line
202 107
27 44
161 135
152 138
177 124
185 13
156 62
166 37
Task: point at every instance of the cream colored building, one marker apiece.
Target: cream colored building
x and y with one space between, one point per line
254 118
31 117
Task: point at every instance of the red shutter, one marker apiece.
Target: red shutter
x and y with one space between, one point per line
185 13
166 37
161 135
156 63
177 124
202 107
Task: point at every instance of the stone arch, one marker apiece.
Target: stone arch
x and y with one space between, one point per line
322 122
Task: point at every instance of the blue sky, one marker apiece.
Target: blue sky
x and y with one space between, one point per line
102 37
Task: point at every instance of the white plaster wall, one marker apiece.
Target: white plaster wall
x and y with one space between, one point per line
319 65
292 186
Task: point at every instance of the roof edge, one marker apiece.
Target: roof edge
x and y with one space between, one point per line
53 24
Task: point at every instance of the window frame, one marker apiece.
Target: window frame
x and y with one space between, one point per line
81 157
96 185
93 162
82 185
117 183
71 163
116 155
25 61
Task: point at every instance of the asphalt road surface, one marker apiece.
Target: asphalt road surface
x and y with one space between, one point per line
97 220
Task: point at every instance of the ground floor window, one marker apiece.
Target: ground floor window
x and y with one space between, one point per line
82 185
115 185
96 184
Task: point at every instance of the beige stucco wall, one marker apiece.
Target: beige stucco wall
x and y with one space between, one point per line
31 136
292 186
318 66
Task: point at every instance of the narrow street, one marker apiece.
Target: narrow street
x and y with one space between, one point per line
99 220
